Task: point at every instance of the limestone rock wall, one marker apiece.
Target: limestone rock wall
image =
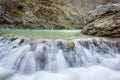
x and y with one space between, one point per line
47 14
87 5
103 21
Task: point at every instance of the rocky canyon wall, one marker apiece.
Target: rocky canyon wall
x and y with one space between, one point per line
46 14
86 5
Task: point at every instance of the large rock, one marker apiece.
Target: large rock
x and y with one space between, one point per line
103 21
48 12
61 14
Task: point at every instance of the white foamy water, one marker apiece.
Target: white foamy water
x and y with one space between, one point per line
94 59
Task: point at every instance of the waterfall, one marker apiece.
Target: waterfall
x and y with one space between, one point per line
58 57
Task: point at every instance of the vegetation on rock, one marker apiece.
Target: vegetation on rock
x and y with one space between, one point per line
52 14
104 21
29 12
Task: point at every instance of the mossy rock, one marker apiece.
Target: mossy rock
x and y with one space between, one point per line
71 44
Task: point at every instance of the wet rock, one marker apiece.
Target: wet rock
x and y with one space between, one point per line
94 41
103 21
14 38
41 52
22 40
84 43
61 44
42 57
71 44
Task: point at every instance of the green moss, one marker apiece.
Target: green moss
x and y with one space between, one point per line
71 44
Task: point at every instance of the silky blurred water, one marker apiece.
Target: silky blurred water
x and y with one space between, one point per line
78 59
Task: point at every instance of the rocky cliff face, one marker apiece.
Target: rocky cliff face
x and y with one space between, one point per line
103 21
86 5
38 14
46 14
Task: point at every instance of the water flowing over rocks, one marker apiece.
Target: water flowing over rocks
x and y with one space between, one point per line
103 21
59 59
54 55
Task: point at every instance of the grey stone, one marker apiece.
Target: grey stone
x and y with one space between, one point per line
103 21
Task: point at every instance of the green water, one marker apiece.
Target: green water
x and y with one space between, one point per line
45 34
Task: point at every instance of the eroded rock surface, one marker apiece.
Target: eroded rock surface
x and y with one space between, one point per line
103 21
38 14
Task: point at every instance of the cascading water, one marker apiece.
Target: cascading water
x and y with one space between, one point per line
93 59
